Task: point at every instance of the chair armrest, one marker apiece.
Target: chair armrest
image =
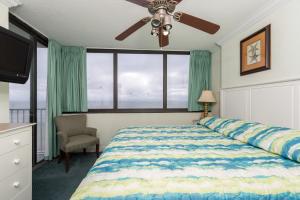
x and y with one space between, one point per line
62 139
90 131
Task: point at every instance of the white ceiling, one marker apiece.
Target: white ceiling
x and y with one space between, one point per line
95 23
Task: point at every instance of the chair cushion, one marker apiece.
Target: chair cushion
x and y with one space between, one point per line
79 142
71 124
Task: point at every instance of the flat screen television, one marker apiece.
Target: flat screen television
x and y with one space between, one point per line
16 54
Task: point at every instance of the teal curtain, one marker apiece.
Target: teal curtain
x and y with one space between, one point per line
54 95
199 77
67 86
75 81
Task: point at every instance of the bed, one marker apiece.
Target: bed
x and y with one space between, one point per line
187 162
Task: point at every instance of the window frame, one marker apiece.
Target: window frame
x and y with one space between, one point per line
115 53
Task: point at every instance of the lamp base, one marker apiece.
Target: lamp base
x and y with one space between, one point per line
205 110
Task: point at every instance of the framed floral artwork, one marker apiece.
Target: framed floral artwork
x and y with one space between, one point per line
255 52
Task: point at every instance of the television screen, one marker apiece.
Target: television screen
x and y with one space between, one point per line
15 57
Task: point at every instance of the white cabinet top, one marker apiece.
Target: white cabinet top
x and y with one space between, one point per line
5 127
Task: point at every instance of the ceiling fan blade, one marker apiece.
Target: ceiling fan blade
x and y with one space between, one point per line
133 28
196 22
143 3
163 40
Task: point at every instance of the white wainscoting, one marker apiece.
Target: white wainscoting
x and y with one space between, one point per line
273 104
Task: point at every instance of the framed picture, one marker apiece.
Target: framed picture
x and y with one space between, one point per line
255 52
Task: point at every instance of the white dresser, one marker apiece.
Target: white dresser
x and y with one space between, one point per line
15 161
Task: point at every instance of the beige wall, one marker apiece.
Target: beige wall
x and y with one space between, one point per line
216 79
108 124
4 114
285 49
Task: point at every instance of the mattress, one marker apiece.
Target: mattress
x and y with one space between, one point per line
187 162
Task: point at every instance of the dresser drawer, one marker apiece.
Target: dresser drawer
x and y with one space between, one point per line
14 161
25 194
13 185
14 141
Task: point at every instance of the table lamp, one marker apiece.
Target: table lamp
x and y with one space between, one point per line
206 98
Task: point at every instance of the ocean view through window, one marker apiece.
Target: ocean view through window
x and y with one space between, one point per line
140 81
178 78
100 80
42 65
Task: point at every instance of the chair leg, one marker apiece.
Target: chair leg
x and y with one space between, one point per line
67 161
97 150
61 156
84 151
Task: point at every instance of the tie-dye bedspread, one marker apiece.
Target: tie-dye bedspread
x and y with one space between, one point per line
186 163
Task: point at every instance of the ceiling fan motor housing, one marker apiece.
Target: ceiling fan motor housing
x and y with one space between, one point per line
168 5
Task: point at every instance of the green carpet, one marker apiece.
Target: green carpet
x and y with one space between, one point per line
50 182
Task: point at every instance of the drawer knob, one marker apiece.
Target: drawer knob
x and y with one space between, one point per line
16 142
16 184
16 161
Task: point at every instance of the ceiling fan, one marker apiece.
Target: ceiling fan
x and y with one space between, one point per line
162 12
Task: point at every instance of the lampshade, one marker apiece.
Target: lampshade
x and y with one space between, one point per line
207 97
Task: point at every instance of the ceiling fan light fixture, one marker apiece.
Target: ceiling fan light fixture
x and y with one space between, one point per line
166 32
154 32
162 13
156 21
167 25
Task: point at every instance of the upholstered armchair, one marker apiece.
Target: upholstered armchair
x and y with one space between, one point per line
74 135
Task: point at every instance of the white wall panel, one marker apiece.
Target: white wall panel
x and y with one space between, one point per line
297 106
235 103
274 104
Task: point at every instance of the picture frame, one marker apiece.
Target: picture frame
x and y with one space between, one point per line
255 52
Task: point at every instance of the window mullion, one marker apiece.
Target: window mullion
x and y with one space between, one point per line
115 81
165 81
33 101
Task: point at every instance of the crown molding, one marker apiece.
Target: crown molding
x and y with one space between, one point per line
11 3
265 11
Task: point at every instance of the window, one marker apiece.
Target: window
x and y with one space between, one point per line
178 76
42 64
41 112
19 102
137 81
100 80
140 81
